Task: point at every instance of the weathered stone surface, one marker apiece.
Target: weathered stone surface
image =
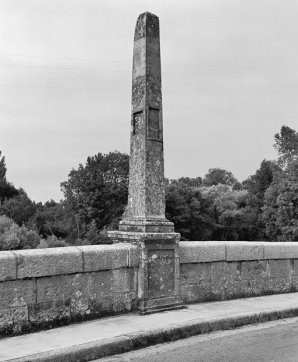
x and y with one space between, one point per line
101 283
194 293
161 273
8 266
195 273
125 280
13 320
279 250
54 288
49 314
134 257
280 268
146 196
107 305
17 293
222 271
105 257
79 302
254 270
295 267
201 251
243 250
43 262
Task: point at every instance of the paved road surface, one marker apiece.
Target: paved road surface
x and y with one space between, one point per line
269 342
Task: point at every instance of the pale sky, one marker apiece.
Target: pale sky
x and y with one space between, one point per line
229 74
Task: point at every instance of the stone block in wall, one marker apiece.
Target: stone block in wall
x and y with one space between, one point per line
134 257
280 268
254 270
295 267
294 283
13 320
280 285
17 293
195 273
79 299
101 283
225 278
237 251
197 293
201 251
116 303
125 280
57 287
223 270
105 257
45 262
279 250
49 314
8 266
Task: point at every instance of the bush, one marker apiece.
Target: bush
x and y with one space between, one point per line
5 223
13 237
51 242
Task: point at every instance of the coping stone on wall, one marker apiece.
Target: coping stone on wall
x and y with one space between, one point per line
243 250
46 262
201 251
8 266
280 250
105 257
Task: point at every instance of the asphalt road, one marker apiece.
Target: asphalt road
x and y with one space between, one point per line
269 342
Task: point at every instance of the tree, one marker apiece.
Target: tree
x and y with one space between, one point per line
13 237
229 206
20 208
52 218
2 167
286 144
216 176
280 212
186 182
7 190
190 211
97 191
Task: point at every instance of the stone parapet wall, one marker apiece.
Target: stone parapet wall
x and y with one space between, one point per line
45 288
227 270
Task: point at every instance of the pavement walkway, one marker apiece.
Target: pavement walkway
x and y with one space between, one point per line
113 335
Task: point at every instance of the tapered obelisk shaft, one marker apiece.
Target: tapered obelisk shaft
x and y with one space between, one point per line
146 199
144 222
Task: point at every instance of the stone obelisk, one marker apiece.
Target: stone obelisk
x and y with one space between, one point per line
144 221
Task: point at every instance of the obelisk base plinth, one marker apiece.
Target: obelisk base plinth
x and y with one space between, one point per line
159 268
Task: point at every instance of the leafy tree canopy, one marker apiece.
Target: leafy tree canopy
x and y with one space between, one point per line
2 167
98 191
216 176
286 144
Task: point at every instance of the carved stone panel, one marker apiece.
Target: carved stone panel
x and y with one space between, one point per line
153 124
161 273
137 122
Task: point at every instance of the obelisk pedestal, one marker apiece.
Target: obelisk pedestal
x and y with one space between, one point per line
144 222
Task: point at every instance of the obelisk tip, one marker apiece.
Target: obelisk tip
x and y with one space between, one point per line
147 25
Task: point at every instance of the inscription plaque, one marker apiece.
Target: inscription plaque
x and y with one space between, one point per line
137 122
161 273
153 124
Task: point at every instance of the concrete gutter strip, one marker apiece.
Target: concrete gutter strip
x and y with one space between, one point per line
169 332
82 352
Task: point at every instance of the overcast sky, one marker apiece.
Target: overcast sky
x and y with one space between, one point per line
229 73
